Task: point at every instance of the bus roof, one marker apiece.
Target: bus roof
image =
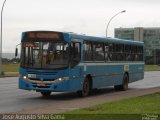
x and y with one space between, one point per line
68 35
102 39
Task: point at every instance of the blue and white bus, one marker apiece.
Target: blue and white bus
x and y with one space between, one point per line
59 61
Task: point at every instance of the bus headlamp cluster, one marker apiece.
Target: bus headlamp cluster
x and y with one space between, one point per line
62 79
56 80
23 77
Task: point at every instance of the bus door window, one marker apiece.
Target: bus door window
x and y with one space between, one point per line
75 53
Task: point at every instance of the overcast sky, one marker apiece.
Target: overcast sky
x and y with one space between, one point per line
88 17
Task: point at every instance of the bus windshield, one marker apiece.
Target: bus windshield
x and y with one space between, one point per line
45 55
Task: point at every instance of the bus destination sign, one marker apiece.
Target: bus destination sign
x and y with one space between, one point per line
43 35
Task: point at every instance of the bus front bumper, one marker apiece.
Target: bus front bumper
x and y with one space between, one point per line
58 86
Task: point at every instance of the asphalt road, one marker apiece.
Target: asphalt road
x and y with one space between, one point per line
13 99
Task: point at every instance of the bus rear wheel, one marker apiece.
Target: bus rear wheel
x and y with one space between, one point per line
125 82
86 88
124 86
46 93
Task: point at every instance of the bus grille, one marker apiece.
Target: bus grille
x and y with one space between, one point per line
41 80
42 73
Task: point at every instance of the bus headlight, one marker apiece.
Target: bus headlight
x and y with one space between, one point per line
23 77
62 79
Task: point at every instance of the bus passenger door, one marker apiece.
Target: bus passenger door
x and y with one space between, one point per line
75 55
75 71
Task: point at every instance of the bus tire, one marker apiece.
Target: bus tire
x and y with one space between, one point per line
124 86
125 82
46 93
86 88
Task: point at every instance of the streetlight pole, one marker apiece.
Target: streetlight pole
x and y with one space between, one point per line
1 38
111 20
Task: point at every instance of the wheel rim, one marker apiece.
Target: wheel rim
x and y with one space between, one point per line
125 82
86 88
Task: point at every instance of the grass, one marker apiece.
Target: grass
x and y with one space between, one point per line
10 67
10 70
152 68
127 109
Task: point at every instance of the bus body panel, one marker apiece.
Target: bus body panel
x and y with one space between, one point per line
103 74
109 74
76 78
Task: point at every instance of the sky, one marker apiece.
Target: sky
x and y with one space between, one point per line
88 17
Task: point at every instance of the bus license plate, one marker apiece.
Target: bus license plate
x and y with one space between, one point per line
31 75
41 84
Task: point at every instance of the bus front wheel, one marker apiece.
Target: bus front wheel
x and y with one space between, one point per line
46 93
86 88
124 85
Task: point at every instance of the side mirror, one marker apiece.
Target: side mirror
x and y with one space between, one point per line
16 52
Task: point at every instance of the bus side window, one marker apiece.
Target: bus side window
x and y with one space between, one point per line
114 56
110 53
87 52
98 53
128 54
106 49
140 53
134 53
120 52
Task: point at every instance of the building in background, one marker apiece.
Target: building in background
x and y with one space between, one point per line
150 37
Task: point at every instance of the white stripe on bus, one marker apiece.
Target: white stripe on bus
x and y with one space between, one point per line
110 63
